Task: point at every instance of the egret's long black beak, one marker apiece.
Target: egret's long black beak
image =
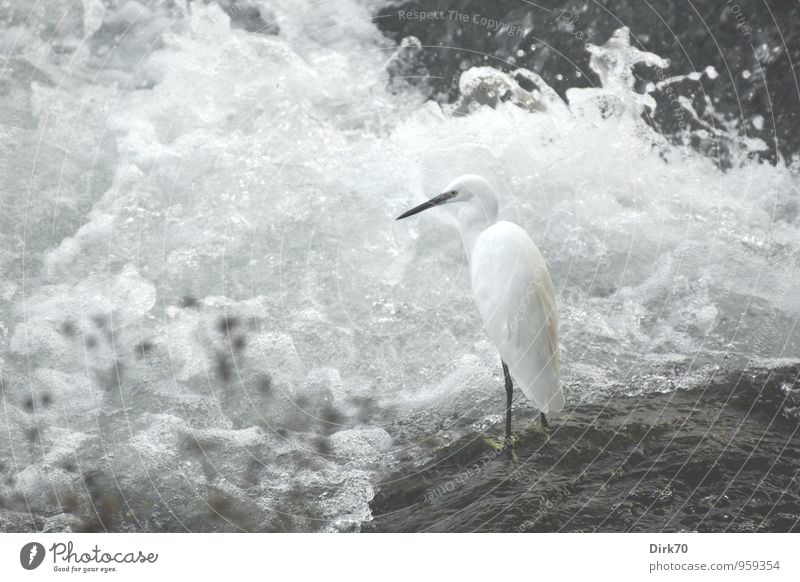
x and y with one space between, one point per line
435 201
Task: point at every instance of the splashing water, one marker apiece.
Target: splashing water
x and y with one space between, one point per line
210 321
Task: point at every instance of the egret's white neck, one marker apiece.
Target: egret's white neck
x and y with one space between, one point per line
473 219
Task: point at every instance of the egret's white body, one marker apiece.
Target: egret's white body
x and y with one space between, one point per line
516 300
513 292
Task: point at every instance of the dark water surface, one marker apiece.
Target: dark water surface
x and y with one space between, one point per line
754 46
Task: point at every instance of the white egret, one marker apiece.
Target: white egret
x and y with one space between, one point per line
514 294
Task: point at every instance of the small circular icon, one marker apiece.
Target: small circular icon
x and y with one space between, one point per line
31 555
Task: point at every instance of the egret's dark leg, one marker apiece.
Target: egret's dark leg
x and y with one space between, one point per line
509 394
544 420
506 448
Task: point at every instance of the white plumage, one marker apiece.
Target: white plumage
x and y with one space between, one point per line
516 300
513 292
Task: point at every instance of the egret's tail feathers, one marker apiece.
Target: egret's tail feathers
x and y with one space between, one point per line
543 389
546 393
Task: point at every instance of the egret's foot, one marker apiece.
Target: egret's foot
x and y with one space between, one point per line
494 443
542 428
505 447
510 448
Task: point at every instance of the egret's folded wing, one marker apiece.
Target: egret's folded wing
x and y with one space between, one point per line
532 344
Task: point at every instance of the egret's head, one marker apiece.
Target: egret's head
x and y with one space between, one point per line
468 188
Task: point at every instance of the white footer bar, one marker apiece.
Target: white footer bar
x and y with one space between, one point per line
417 557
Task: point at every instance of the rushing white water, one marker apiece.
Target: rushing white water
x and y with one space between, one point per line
207 308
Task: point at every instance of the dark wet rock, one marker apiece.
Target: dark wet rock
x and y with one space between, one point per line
657 463
250 16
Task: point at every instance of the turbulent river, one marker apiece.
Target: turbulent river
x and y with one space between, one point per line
210 321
